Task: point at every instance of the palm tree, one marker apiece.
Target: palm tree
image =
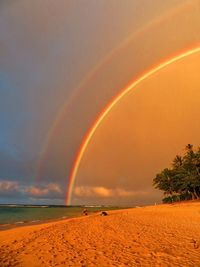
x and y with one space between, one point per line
177 162
189 147
164 181
183 179
191 165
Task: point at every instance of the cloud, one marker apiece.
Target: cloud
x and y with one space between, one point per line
8 187
50 190
12 189
103 192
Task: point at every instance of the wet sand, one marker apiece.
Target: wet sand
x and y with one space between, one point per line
164 235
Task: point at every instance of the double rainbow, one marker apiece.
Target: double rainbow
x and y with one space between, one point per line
109 107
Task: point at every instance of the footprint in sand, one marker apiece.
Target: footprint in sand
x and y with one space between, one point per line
195 243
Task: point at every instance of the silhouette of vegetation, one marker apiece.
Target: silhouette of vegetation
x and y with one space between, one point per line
182 180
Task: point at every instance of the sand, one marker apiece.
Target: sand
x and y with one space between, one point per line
164 235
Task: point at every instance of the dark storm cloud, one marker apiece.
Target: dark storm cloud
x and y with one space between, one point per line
15 168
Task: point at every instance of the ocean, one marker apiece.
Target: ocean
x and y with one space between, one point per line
16 215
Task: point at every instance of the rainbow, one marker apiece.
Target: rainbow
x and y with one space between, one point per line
86 141
180 9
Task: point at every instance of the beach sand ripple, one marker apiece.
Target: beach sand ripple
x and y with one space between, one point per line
164 235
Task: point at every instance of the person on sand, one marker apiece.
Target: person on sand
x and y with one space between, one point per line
85 212
104 213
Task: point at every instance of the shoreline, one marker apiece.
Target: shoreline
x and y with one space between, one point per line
4 227
7 226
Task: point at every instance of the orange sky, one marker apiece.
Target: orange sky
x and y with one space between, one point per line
61 66
141 136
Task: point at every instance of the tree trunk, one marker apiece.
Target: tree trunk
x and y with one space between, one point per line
197 169
195 193
198 191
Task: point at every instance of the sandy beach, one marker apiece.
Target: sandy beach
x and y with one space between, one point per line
164 235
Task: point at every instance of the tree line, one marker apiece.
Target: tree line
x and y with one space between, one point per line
182 180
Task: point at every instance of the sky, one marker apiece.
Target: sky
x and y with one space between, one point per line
61 64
